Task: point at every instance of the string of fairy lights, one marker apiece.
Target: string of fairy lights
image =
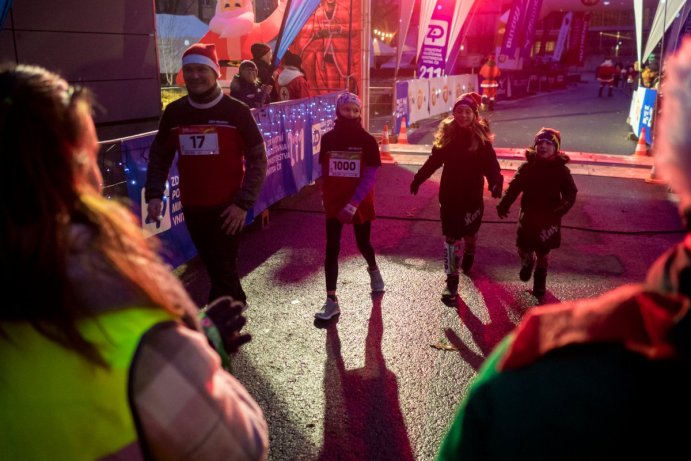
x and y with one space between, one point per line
383 36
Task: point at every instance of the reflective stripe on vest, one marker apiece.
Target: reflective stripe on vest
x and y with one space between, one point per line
58 406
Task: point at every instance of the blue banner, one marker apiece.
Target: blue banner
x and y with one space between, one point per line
432 59
532 13
401 105
514 27
292 132
647 113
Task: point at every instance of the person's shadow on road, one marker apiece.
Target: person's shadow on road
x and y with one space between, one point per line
362 415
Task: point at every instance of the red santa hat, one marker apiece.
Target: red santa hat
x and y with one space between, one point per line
471 100
202 53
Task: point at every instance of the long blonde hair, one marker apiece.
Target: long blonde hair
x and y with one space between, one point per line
448 130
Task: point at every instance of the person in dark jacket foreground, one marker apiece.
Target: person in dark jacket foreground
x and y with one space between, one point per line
602 378
548 194
463 146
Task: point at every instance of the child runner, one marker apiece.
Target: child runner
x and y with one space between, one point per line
463 145
548 194
349 158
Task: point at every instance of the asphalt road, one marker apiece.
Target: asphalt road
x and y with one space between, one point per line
383 380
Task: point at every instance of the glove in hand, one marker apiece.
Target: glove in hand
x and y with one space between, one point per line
496 191
502 212
226 314
561 209
346 214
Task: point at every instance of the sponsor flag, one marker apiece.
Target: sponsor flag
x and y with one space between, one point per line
296 15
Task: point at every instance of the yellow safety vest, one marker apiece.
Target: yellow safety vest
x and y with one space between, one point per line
55 405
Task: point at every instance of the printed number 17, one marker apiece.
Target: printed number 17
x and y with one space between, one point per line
196 138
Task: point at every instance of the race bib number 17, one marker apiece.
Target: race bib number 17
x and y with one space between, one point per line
199 143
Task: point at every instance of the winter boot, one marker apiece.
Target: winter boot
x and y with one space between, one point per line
467 262
451 290
539 282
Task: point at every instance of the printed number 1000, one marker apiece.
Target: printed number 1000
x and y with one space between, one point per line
342 165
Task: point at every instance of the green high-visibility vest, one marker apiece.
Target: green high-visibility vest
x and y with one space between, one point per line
55 405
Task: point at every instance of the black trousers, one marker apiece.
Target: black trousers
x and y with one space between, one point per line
334 228
217 250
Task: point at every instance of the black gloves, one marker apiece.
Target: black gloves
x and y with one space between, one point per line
502 211
496 190
414 187
222 321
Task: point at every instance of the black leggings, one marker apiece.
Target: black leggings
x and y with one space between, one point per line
334 227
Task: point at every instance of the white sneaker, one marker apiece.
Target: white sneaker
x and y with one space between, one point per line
375 281
329 309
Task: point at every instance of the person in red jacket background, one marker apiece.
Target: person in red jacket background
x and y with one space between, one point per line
605 75
290 81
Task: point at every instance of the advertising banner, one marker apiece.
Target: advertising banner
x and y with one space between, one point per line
418 100
401 105
440 100
433 52
560 45
514 27
171 230
642 112
330 45
532 14
575 55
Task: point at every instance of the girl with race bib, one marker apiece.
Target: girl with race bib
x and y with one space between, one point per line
349 157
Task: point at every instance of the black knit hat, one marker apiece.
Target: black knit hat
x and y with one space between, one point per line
259 50
548 134
292 59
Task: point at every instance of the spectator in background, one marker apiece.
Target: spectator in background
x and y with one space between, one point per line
649 75
602 378
101 353
246 87
631 78
222 166
605 74
291 81
262 55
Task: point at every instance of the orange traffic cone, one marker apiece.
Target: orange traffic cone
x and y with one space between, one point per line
641 147
385 149
654 178
403 135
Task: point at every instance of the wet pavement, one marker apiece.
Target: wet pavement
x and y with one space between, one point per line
382 380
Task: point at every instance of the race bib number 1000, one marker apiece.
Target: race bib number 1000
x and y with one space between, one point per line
344 165
205 143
